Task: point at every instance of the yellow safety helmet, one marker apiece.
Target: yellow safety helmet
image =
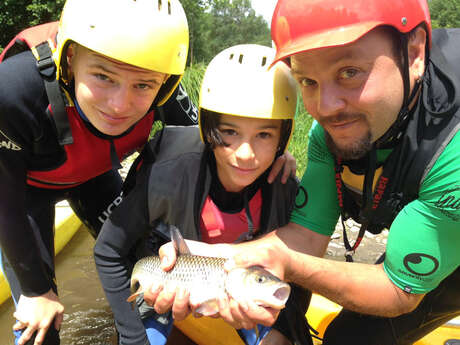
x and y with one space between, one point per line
239 82
150 34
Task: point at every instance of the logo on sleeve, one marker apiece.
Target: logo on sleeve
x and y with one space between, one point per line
421 264
301 197
9 145
449 203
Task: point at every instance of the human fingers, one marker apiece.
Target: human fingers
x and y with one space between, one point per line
165 299
40 337
234 313
151 293
18 324
265 316
27 334
58 321
256 253
226 314
239 312
181 308
289 168
276 168
168 256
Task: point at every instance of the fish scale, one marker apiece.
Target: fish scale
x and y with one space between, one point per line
189 270
207 281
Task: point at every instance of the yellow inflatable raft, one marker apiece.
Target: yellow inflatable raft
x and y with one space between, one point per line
66 225
209 331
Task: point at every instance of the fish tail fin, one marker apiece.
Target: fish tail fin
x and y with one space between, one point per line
133 296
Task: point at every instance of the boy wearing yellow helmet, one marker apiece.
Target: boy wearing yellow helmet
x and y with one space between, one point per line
66 125
219 191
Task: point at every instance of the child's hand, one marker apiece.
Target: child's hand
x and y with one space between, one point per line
37 314
285 162
167 256
159 297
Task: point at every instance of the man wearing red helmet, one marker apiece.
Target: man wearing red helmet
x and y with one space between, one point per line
384 151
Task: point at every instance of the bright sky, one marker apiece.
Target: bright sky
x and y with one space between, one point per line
264 8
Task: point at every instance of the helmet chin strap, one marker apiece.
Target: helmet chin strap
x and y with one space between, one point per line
392 135
389 139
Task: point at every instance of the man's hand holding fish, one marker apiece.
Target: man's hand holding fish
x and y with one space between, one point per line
240 311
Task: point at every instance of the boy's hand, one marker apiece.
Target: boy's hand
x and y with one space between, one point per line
36 314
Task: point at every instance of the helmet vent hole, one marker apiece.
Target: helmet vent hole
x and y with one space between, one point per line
264 61
240 60
92 26
159 5
231 56
169 7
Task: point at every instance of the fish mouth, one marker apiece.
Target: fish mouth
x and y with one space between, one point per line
282 293
277 299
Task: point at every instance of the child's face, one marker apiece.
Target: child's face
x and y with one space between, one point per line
252 146
113 95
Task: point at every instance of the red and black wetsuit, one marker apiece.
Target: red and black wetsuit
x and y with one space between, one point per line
36 171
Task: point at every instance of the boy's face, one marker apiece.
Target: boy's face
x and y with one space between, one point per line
251 148
113 95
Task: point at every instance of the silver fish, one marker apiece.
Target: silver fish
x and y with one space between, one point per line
206 280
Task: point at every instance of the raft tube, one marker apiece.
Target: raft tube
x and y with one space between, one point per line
66 225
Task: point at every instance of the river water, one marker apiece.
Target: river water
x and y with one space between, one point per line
87 319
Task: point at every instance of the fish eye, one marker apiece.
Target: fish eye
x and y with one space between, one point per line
261 279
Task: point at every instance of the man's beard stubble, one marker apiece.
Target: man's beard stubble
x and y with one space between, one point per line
357 149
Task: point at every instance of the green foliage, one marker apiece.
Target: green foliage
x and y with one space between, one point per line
299 141
213 24
197 17
219 24
16 15
157 125
192 81
445 13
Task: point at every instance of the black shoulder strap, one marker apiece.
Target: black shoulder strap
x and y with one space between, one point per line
47 69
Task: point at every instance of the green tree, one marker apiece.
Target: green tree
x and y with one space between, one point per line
234 22
197 17
213 24
16 15
445 13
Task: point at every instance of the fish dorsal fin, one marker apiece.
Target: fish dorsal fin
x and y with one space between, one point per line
178 241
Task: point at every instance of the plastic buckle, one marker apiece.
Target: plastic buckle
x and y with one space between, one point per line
45 63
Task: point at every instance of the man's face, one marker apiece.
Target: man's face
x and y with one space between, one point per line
113 95
354 91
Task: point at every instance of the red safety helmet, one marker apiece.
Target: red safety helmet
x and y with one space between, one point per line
301 25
